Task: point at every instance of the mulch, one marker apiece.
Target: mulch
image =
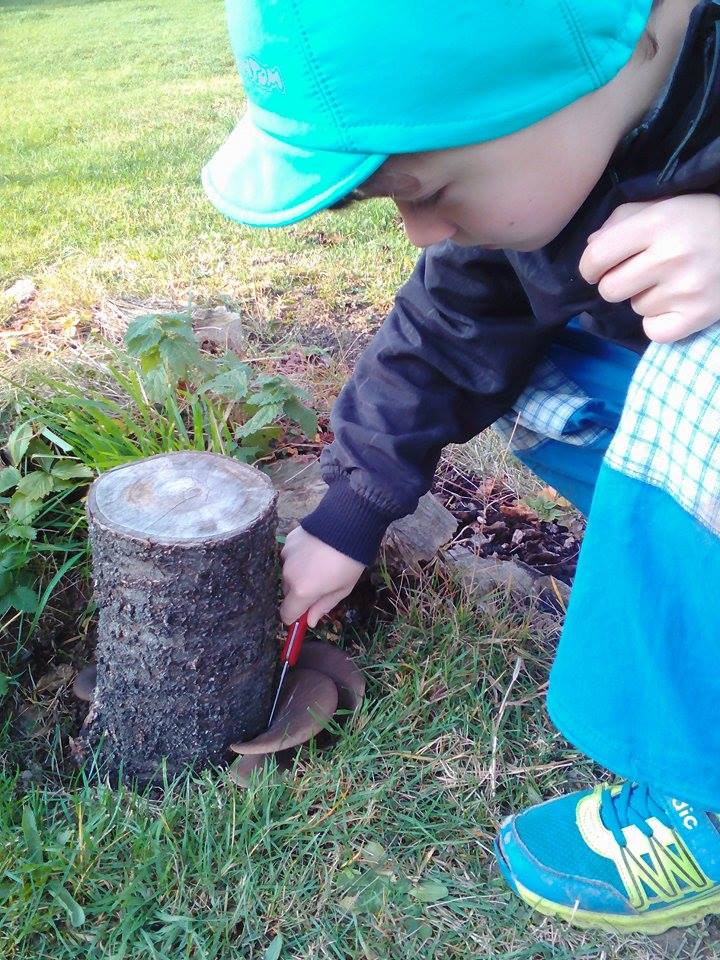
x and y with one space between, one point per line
495 523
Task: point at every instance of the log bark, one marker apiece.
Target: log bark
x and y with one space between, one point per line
184 566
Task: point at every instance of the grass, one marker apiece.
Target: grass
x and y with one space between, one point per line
109 109
333 859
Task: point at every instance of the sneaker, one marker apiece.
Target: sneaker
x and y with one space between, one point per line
621 858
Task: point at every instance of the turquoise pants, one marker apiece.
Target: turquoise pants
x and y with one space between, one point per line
636 680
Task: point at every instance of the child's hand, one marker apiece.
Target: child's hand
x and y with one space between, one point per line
664 256
316 577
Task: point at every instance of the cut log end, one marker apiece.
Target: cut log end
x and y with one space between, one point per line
178 498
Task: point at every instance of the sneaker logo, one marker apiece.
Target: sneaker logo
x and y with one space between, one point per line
686 814
254 74
669 875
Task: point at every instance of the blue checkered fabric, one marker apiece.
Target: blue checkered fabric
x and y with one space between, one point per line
669 431
548 408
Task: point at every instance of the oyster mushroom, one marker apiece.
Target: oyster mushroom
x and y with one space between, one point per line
242 768
84 683
309 700
299 702
336 664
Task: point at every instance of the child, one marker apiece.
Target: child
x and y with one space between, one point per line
559 161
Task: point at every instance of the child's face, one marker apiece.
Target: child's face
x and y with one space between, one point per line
518 192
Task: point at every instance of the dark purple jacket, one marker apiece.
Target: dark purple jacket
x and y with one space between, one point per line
470 324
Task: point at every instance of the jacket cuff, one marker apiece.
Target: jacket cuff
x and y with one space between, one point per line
348 522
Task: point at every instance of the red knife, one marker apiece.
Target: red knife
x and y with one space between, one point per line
289 655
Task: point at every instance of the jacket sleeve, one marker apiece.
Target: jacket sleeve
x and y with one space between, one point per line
451 357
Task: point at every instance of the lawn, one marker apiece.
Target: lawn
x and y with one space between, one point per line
380 848
109 110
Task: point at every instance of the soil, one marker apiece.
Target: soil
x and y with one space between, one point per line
494 523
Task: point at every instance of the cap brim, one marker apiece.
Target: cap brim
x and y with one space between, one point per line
264 182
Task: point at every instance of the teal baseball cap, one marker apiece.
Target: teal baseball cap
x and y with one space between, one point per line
334 89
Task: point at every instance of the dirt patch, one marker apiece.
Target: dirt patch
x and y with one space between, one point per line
494 523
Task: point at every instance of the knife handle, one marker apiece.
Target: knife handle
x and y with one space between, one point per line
293 643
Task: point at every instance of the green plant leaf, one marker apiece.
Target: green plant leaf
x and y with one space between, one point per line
231 384
4 684
418 928
23 598
246 454
373 852
20 531
18 442
271 394
150 361
32 837
76 914
37 448
262 418
22 508
9 478
148 332
63 484
430 891
178 355
156 382
275 948
181 327
142 334
71 470
302 415
544 507
56 440
35 485
11 556
364 891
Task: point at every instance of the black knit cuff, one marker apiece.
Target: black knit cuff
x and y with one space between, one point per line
348 522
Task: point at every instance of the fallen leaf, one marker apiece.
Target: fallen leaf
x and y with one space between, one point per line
518 511
430 891
275 948
56 678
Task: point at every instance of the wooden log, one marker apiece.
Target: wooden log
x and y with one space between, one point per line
184 566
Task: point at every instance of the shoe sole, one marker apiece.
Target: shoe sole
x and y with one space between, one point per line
684 915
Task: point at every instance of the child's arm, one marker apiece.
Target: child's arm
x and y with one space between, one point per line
450 359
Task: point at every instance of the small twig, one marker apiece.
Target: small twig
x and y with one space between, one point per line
496 728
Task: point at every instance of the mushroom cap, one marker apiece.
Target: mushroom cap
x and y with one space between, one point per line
308 701
242 768
339 666
84 683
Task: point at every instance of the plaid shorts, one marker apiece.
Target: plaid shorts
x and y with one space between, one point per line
550 407
669 431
